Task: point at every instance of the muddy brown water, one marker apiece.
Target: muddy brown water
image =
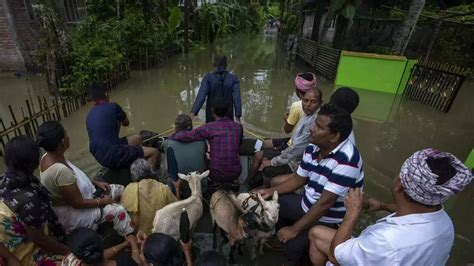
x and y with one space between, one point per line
388 129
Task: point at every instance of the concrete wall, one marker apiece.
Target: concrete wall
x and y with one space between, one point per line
383 73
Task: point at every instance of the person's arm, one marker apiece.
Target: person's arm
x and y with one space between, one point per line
353 203
199 133
10 259
121 116
110 253
236 98
292 184
375 205
73 197
45 242
287 127
135 249
187 250
316 211
201 96
293 151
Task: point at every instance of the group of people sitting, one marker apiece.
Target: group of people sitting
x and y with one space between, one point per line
317 172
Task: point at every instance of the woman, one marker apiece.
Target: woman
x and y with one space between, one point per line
25 208
161 249
144 196
72 191
87 249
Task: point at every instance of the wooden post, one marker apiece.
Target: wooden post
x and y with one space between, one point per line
15 122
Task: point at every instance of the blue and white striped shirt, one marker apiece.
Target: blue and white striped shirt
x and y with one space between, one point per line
340 170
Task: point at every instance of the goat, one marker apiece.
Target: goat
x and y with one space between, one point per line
166 219
268 214
233 223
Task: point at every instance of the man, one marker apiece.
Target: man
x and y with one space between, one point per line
183 157
331 165
219 84
418 232
274 161
303 83
224 137
103 126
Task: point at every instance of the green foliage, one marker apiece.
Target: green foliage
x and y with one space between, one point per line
223 19
346 8
174 19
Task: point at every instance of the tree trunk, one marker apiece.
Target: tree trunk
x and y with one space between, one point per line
340 32
320 5
403 35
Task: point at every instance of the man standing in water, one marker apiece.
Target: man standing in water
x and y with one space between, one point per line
219 84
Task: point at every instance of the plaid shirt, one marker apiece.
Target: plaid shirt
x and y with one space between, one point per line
224 137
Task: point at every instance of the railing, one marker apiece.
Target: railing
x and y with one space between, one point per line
55 108
435 84
324 59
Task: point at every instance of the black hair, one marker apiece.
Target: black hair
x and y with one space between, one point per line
341 121
160 249
307 75
220 106
220 61
211 258
183 122
22 155
346 98
49 135
86 245
98 91
443 168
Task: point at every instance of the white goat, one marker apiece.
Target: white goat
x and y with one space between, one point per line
249 202
166 219
231 220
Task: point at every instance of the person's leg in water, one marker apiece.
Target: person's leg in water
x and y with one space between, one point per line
320 238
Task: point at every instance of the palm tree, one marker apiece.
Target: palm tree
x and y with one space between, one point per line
403 35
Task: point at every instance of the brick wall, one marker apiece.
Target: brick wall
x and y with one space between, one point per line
10 57
27 30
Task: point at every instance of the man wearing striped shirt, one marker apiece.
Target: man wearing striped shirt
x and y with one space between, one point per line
331 165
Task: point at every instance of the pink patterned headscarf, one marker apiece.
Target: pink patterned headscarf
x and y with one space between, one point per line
419 183
303 84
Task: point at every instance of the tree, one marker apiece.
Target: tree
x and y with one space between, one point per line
403 35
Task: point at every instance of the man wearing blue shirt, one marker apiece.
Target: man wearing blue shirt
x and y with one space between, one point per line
219 84
103 126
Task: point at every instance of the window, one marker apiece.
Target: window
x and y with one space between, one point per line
74 10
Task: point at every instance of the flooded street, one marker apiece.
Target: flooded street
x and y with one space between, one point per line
388 129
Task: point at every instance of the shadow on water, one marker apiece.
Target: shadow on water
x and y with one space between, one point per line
388 128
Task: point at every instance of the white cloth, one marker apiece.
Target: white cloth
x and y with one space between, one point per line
352 138
415 239
72 218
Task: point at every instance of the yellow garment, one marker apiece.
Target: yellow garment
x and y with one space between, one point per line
143 199
13 237
295 114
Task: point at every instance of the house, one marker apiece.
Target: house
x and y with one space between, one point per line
19 31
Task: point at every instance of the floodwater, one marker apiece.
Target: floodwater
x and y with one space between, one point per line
388 129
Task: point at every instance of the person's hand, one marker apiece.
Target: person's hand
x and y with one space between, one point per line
286 233
177 188
102 185
266 193
192 115
265 163
285 117
373 204
354 201
187 247
237 119
106 200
